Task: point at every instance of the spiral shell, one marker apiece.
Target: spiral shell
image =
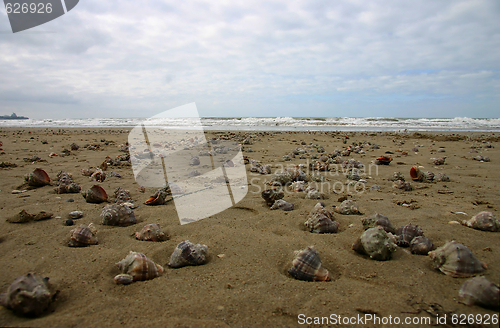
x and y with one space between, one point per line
83 236
95 195
195 160
138 267
418 175
307 266
347 207
272 195
376 243
37 178
378 220
118 215
403 185
484 221
480 291
98 175
283 205
28 295
405 234
68 188
187 253
151 232
320 220
438 161
158 198
456 260
122 195
421 245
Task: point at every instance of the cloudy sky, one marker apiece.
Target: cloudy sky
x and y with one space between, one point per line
381 58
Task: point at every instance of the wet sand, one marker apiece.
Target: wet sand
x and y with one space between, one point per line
245 283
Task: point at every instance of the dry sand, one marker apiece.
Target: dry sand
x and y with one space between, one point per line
248 286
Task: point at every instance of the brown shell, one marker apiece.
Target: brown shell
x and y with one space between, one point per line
456 260
83 236
87 172
271 195
68 188
405 234
188 253
122 195
378 220
139 267
158 198
480 291
151 232
118 215
283 205
98 175
37 178
484 221
403 185
383 160
64 177
307 266
321 220
421 245
95 195
347 207
438 161
28 295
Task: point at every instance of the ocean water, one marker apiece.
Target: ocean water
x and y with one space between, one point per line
279 123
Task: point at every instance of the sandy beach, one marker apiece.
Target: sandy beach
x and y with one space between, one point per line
245 282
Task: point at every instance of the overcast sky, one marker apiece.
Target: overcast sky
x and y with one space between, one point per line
307 58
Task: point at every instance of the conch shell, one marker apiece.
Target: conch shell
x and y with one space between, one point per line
485 221
98 175
37 178
118 215
347 207
187 253
151 232
321 220
95 195
283 205
272 195
68 188
83 236
122 195
405 234
158 198
383 160
136 267
421 245
456 260
378 220
307 266
418 175
480 291
376 243
28 295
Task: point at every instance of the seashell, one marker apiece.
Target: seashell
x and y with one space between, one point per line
69 188
195 160
484 221
74 146
282 178
64 177
403 185
376 243
95 195
298 186
28 295
115 174
158 198
378 220
283 205
75 215
421 245
151 232
456 260
441 177
419 175
118 215
37 178
98 175
405 234
320 223
187 253
482 159
383 160
480 291
272 195
137 267
438 161
83 236
347 207
21 217
122 195
87 172
194 173
397 176
314 194
307 266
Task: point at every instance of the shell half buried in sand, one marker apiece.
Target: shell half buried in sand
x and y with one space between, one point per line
484 221
95 195
378 220
456 260
83 236
187 253
480 291
321 220
137 267
151 232
307 266
37 178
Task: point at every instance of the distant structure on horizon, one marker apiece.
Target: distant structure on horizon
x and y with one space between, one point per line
13 117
